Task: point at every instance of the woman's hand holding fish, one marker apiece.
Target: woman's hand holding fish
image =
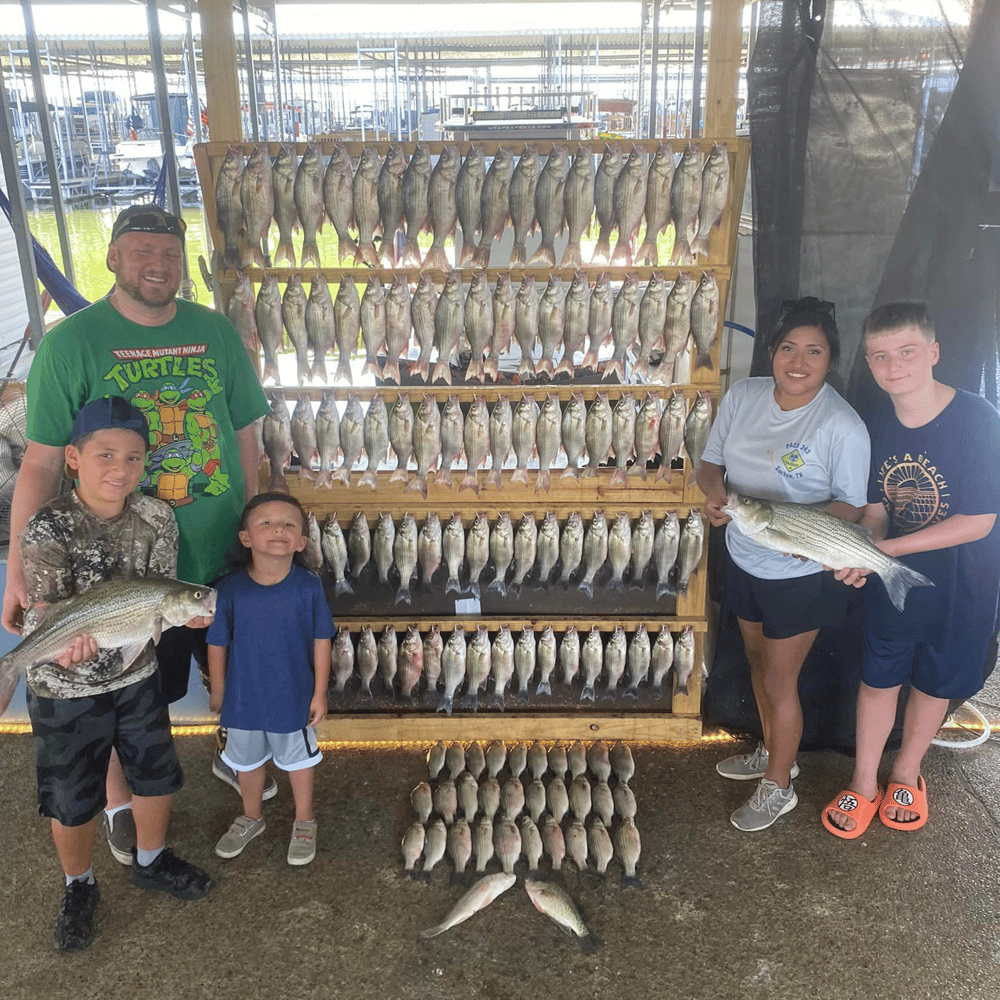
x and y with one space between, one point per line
82 648
714 513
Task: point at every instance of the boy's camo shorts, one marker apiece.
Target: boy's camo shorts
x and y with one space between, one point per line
73 739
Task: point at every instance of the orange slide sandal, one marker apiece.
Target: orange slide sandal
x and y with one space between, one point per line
863 809
905 797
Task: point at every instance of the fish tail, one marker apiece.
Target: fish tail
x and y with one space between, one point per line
342 475
285 251
436 260
663 589
470 481
590 944
520 476
346 247
468 249
898 579
400 475
682 252
622 252
682 688
271 371
420 370
231 257
565 365
365 254
391 372
545 255
411 252
278 483
452 585
442 370
491 367
590 358
342 587
648 251
640 370
526 367
588 693
475 370
632 691
602 248
543 688
370 367
318 370
481 256
699 245
443 477
517 255
704 360
572 256
631 882
543 482
587 587
432 932
618 476
310 253
344 371
403 595
616 366
369 478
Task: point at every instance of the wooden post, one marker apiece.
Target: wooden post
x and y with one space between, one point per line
725 44
222 87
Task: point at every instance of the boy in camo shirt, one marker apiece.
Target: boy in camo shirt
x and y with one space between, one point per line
95 703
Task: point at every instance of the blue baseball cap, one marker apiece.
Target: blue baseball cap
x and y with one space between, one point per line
109 413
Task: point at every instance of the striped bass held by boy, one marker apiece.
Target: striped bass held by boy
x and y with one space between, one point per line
803 530
119 614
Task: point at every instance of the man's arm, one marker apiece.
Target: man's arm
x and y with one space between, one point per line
246 441
37 483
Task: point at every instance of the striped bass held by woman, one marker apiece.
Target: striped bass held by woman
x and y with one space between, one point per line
804 530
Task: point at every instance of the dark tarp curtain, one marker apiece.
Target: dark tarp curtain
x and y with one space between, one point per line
875 167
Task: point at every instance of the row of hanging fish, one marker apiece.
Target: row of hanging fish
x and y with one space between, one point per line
648 332
380 199
444 670
435 438
476 814
568 553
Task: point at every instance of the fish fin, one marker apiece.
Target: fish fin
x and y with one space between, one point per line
899 579
526 366
131 653
517 255
369 478
682 252
544 255
370 368
318 370
343 371
588 693
543 688
632 882
431 932
704 360
365 254
391 372
699 246
271 371
436 260
622 252
602 248
285 251
346 247
411 252
310 253
399 475
442 370
342 587
572 256
403 595
648 252
9 676
481 255
632 691
520 476
590 944
543 482
616 366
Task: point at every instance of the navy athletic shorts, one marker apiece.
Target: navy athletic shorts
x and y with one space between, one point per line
73 738
786 607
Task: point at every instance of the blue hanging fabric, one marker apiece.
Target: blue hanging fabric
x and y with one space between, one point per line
63 293
160 191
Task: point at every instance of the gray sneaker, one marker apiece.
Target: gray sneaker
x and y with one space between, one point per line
767 803
239 835
749 766
120 832
225 773
302 847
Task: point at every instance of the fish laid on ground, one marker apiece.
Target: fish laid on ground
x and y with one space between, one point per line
557 798
622 762
423 307
118 614
482 893
496 757
494 204
460 849
352 438
599 843
435 845
598 321
477 442
696 428
661 658
389 194
684 659
241 313
293 315
468 198
277 433
397 326
478 324
449 322
453 660
689 551
804 530
441 208
705 318
576 313
549 208
504 308
665 545
531 839
446 800
624 799
551 310
367 659
714 195
624 326
426 442
489 798
347 326
452 438
630 200
475 760
416 182
376 438
604 200
482 843
507 841
270 331
283 182
334 547
685 197
477 550
526 324
604 807
553 842
257 199
320 325
628 848
228 207
413 847
598 760
556 904
308 193
517 759
523 182
338 200
523 427
453 552
578 203
365 201
359 544
658 183
404 555
373 324
401 436
429 548
557 760
304 437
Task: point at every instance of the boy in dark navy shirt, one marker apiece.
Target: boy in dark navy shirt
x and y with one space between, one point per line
933 500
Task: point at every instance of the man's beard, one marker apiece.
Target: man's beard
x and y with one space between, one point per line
136 293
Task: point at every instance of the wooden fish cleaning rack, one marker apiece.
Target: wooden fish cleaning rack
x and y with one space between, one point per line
682 722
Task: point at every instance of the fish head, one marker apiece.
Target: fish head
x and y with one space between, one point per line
184 601
752 515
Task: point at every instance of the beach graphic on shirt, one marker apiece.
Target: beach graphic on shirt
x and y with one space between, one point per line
915 492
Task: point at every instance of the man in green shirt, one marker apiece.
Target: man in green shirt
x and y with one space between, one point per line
186 368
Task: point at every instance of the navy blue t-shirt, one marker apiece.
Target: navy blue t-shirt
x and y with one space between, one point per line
270 633
923 475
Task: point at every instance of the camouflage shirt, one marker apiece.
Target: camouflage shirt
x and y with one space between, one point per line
66 550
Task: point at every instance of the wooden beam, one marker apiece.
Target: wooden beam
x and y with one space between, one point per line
222 87
725 45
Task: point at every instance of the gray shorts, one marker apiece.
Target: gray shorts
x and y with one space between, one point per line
248 749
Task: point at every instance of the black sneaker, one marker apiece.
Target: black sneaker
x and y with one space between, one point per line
168 873
121 835
74 927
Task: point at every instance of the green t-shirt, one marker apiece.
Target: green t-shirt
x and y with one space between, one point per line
193 379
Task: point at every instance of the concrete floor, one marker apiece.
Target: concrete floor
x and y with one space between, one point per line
788 913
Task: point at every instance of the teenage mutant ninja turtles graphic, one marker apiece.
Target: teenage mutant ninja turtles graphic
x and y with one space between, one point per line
185 440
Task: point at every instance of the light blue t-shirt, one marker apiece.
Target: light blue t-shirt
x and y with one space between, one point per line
813 454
